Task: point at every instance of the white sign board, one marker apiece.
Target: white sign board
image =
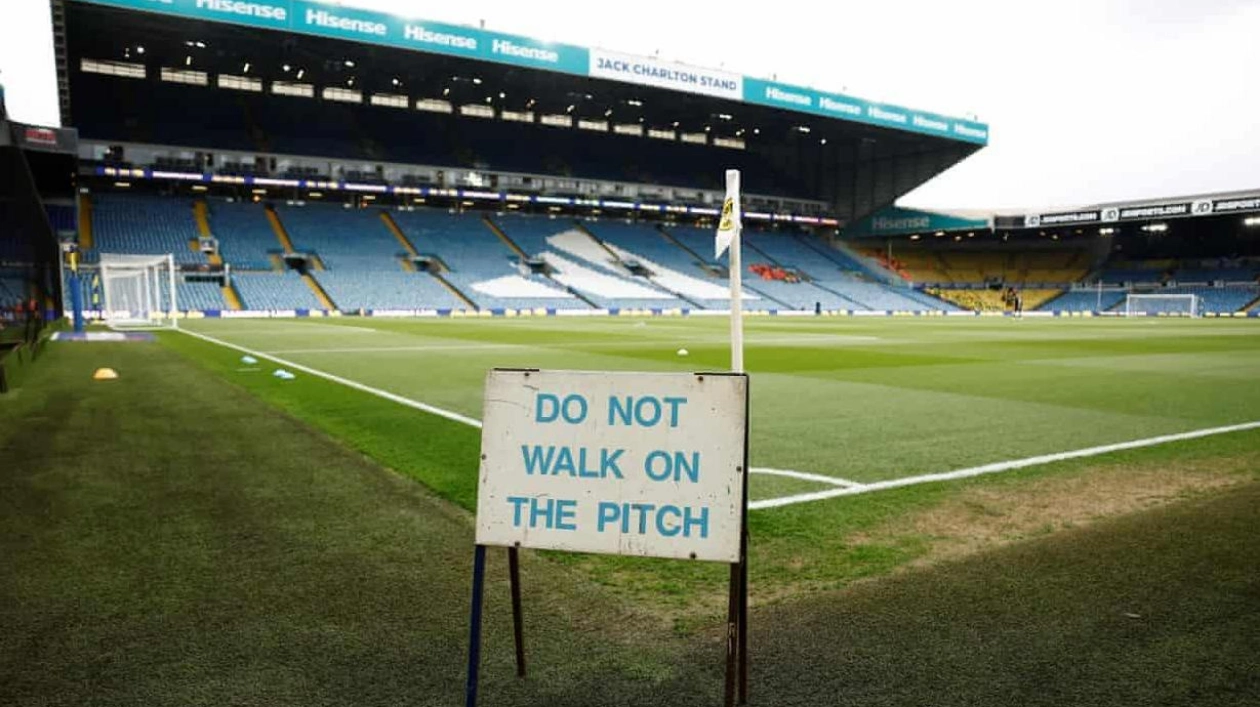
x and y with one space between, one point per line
647 464
666 74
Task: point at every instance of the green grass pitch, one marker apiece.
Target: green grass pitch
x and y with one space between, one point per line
170 538
857 399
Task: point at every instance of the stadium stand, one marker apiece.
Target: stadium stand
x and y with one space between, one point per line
554 242
668 265
451 260
985 300
199 295
1216 299
148 225
246 240
1083 301
478 263
1018 267
1143 272
307 127
274 291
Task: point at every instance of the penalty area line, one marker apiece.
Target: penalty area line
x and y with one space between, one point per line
415 404
999 466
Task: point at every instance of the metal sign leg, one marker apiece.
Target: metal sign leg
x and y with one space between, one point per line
743 622
518 631
474 629
732 637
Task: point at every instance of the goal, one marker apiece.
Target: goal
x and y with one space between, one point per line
138 291
1161 305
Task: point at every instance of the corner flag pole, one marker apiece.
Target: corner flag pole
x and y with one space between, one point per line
728 236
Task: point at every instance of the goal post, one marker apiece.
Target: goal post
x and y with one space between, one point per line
1179 305
138 291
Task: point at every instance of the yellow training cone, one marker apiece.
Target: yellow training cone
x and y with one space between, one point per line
105 374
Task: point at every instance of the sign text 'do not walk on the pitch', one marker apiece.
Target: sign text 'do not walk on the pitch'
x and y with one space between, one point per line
646 464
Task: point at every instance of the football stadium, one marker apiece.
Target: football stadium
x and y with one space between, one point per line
288 276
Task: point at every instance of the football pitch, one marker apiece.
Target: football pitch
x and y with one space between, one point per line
200 531
852 400
840 407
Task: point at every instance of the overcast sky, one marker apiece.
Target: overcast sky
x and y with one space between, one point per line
1087 100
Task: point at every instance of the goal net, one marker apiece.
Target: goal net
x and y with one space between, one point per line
1165 305
138 291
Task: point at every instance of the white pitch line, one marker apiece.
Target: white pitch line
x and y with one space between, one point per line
448 414
999 466
396 349
804 476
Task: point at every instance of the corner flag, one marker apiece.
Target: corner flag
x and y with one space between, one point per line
730 221
728 237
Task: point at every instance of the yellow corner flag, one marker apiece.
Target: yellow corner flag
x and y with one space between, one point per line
730 222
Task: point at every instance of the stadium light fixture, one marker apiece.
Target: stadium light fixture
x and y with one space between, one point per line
188 60
349 64
822 141
315 194
476 81
570 108
635 102
915 237
531 102
446 91
245 69
140 49
396 82
489 99
1252 221
803 129
756 131
959 238
938 234
123 185
608 113
1106 231
502 95
260 192
286 68
199 187
725 116
301 73
675 123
